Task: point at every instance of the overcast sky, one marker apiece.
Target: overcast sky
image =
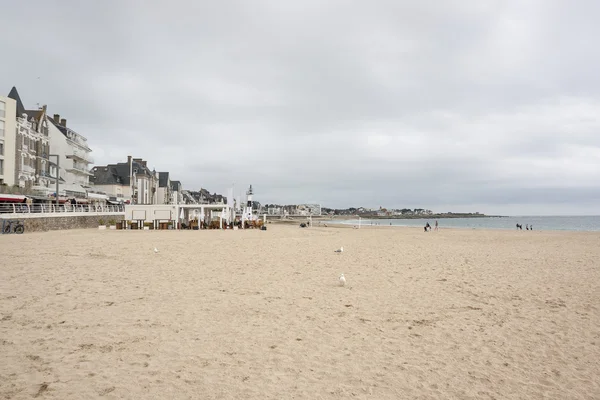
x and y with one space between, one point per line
489 106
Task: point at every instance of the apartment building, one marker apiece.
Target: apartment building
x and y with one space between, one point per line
31 165
74 156
130 182
8 112
164 193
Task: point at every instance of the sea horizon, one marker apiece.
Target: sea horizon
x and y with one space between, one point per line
583 223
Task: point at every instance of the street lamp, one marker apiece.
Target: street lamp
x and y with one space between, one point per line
57 174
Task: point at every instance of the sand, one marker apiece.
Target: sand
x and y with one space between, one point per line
455 314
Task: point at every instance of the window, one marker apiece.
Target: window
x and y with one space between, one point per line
1 167
1 149
2 109
1 128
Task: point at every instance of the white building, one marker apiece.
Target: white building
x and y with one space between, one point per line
74 154
308 209
274 211
177 196
8 111
164 194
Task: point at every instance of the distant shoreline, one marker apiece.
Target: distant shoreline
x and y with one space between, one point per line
376 217
432 216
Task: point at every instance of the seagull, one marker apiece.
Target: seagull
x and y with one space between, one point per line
340 250
342 280
155 250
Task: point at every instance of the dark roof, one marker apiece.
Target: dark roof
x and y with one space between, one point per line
141 169
108 175
59 126
163 179
117 174
37 114
176 186
15 96
63 129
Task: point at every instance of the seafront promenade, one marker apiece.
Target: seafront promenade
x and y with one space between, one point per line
44 217
48 210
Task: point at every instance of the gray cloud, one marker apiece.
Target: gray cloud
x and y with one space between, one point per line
451 106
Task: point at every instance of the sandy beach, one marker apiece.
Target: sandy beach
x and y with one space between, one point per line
454 314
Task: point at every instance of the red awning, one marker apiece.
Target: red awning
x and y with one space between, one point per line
12 198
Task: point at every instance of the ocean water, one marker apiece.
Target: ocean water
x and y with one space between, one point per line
540 223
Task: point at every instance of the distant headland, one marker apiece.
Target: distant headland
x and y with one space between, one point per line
404 213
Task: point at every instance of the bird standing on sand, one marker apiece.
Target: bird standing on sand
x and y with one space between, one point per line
155 250
340 250
342 280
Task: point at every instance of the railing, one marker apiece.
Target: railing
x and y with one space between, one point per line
76 138
79 168
80 154
21 208
47 175
28 169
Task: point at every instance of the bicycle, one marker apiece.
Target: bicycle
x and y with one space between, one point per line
12 226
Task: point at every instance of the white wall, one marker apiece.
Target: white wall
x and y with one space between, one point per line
162 193
63 147
8 110
120 191
58 145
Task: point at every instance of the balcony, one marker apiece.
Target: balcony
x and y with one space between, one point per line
78 169
47 175
76 139
27 169
80 155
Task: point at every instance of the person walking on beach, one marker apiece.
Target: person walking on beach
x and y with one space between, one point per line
436 225
527 226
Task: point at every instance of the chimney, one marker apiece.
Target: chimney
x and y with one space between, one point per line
129 160
63 122
56 118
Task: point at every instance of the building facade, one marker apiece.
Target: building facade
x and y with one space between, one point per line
8 112
32 166
74 157
176 188
308 209
145 183
164 193
131 182
113 179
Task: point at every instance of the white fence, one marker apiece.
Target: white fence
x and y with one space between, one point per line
40 210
